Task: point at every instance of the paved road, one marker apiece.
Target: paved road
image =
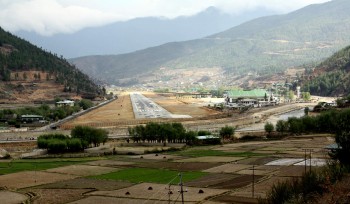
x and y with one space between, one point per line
145 108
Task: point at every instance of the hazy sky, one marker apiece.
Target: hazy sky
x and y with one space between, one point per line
48 17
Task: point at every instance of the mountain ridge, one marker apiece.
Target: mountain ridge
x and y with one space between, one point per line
265 45
139 33
24 67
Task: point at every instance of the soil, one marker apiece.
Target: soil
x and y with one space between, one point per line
118 110
10 197
57 196
192 166
31 178
159 192
82 170
31 90
87 183
231 174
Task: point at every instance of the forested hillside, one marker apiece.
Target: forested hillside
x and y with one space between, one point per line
331 77
265 45
19 56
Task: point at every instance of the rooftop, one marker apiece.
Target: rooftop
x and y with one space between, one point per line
256 93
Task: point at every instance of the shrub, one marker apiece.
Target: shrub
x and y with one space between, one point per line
74 145
57 146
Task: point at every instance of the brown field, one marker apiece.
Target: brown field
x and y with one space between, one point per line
182 106
121 109
10 197
229 178
180 166
118 110
140 191
31 178
82 170
87 183
214 159
228 168
112 200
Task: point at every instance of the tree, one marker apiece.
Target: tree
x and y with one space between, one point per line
342 138
306 96
291 95
269 127
86 104
306 110
89 135
281 126
227 132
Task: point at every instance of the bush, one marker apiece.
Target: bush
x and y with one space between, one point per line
57 146
42 143
74 145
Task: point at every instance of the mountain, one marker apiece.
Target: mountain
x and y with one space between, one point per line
140 33
331 77
265 45
27 71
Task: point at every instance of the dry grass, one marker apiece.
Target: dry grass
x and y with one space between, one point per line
12 197
82 170
118 110
159 192
31 178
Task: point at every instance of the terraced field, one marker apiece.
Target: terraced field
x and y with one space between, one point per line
210 174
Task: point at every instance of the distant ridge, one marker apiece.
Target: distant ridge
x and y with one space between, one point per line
332 76
265 45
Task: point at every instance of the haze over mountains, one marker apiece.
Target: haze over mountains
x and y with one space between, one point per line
140 33
265 45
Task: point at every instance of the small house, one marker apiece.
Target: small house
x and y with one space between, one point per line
65 103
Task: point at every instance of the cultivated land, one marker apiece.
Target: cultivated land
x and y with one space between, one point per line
223 173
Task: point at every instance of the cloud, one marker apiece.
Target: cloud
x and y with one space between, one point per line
49 17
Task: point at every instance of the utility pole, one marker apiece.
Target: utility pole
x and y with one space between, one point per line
311 150
305 160
169 192
253 182
181 189
305 165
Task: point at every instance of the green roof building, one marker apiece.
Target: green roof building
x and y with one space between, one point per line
253 94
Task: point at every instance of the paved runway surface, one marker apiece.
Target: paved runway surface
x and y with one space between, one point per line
145 108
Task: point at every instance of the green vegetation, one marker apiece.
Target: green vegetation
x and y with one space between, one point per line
48 113
314 183
137 175
227 132
269 127
14 166
23 56
333 77
265 45
162 132
303 190
81 138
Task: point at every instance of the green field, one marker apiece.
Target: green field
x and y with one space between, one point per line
14 166
208 152
137 175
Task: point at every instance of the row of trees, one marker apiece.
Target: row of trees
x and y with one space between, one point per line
314 183
161 132
333 121
81 138
172 133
